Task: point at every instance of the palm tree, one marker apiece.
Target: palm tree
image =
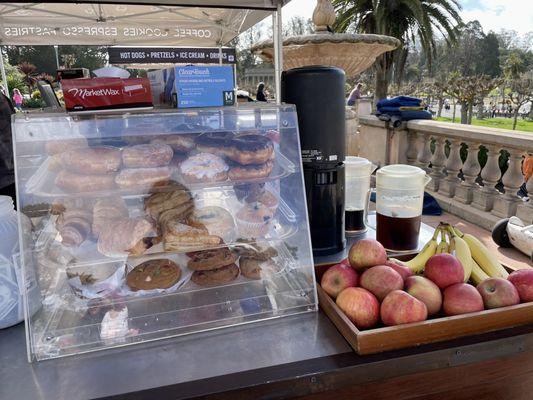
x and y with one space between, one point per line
408 20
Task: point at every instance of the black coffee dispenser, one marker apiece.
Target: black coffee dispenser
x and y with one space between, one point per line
319 95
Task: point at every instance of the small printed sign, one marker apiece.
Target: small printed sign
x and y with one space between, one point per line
204 86
165 55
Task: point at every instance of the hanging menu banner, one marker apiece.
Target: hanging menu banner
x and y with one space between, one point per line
165 55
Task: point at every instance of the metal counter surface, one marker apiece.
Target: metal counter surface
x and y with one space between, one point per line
304 340
167 362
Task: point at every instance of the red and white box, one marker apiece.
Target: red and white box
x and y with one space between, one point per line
106 93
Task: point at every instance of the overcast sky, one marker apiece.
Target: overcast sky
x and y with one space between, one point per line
492 14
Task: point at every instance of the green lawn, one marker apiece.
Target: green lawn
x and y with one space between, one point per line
503 123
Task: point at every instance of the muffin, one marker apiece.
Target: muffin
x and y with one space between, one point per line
254 220
249 192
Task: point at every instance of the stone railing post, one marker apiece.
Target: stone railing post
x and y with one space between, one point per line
412 151
453 165
424 151
505 205
464 192
483 199
437 164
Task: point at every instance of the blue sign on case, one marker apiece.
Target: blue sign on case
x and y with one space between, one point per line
202 86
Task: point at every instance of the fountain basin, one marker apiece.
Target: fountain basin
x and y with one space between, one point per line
354 53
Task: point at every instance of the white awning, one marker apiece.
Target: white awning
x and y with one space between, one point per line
139 23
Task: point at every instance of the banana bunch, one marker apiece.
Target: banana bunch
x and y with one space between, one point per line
478 263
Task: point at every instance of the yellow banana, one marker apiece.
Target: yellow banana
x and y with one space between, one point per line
418 263
478 275
462 252
442 247
481 255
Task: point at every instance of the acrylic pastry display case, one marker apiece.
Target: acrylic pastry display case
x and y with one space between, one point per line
148 225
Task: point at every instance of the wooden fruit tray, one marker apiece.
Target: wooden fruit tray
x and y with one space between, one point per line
386 338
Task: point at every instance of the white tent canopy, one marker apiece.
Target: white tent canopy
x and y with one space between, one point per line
198 23
140 23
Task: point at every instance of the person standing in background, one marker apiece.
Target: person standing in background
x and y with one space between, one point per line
527 171
17 99
355 94
7 171
261 95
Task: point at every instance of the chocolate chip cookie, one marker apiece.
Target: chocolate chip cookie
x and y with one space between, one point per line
154 274
218 276
211 259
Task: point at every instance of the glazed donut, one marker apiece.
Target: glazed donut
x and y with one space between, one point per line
214 142
239 172
72 182
180 143
250 149
204 167
147 155
143 178
92 160
58 146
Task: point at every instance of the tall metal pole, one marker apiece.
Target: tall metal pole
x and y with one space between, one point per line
56 50
278 49
3 71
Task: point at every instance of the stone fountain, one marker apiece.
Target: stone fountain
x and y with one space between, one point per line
354 53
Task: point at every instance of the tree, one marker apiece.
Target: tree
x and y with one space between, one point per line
44 59
298 26
28 72
406 20
521 93
466 89
14 78
514 66
437 90
243 43
489 56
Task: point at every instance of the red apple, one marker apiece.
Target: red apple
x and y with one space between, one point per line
523 282
360 306
404 271
400 307
345 262
367 253
426 291
380 280
461 298
337 278
498 292
444 269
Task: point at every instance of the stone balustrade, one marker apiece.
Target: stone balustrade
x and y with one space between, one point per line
450 153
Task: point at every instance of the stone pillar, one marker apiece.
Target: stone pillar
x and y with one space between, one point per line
424 151
464 191
524 210
505 206
484 197
437 164
412 151
453 166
